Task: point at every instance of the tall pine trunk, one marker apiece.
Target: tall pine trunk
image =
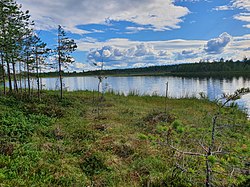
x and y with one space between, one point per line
3 77
25 78
37 76
28 76
60 76
20 77
9 75
41 83
60 66
14 76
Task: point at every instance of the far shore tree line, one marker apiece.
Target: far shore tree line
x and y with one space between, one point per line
23 53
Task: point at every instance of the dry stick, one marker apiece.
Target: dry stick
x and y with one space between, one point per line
166 96
186 152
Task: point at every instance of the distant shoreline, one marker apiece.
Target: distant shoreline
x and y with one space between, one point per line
191 75
215 69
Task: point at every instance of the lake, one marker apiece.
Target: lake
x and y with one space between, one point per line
156 85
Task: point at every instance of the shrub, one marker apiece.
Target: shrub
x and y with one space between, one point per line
93 164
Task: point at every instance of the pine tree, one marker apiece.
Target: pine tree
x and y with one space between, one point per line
41 53
14 25
65 47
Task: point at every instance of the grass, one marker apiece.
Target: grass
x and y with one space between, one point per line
56 142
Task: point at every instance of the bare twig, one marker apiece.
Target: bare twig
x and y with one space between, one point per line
186 152
203 147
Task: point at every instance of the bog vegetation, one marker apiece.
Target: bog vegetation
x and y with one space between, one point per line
93 139
131 142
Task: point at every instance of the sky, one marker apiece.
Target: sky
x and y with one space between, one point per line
138 33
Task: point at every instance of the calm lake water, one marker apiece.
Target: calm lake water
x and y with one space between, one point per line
150 85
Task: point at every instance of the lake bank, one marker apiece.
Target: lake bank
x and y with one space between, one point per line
66 143
179 87
220 74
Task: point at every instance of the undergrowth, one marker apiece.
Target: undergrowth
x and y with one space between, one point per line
56 142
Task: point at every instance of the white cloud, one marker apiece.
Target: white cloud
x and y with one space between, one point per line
217 45
224 7
122 53
235 4
133 30
111 55
243 17
158 14
187 54
124 44
243 5
247 26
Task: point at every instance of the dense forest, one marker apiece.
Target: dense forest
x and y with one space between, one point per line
221 67
227 68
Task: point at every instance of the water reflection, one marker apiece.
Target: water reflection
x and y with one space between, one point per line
178 86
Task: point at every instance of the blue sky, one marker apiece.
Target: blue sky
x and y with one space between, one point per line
137 33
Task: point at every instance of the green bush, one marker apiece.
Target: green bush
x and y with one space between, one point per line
93 164
15 126
178 126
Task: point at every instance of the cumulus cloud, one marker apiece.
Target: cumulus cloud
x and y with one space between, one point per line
138 54
158 14
217 45
123 53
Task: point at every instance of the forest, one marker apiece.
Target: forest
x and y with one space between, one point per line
203 68
222 68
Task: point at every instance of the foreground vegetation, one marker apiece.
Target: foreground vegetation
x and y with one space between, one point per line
54 142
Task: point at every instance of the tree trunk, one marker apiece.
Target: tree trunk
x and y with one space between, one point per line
9 76
4 86
41 83
20 77
25 79
37 76
60 66
60 76
28 75
14 76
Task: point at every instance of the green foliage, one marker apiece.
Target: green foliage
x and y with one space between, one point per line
15 126
93 164
53 142
178 126
142 136
211 159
